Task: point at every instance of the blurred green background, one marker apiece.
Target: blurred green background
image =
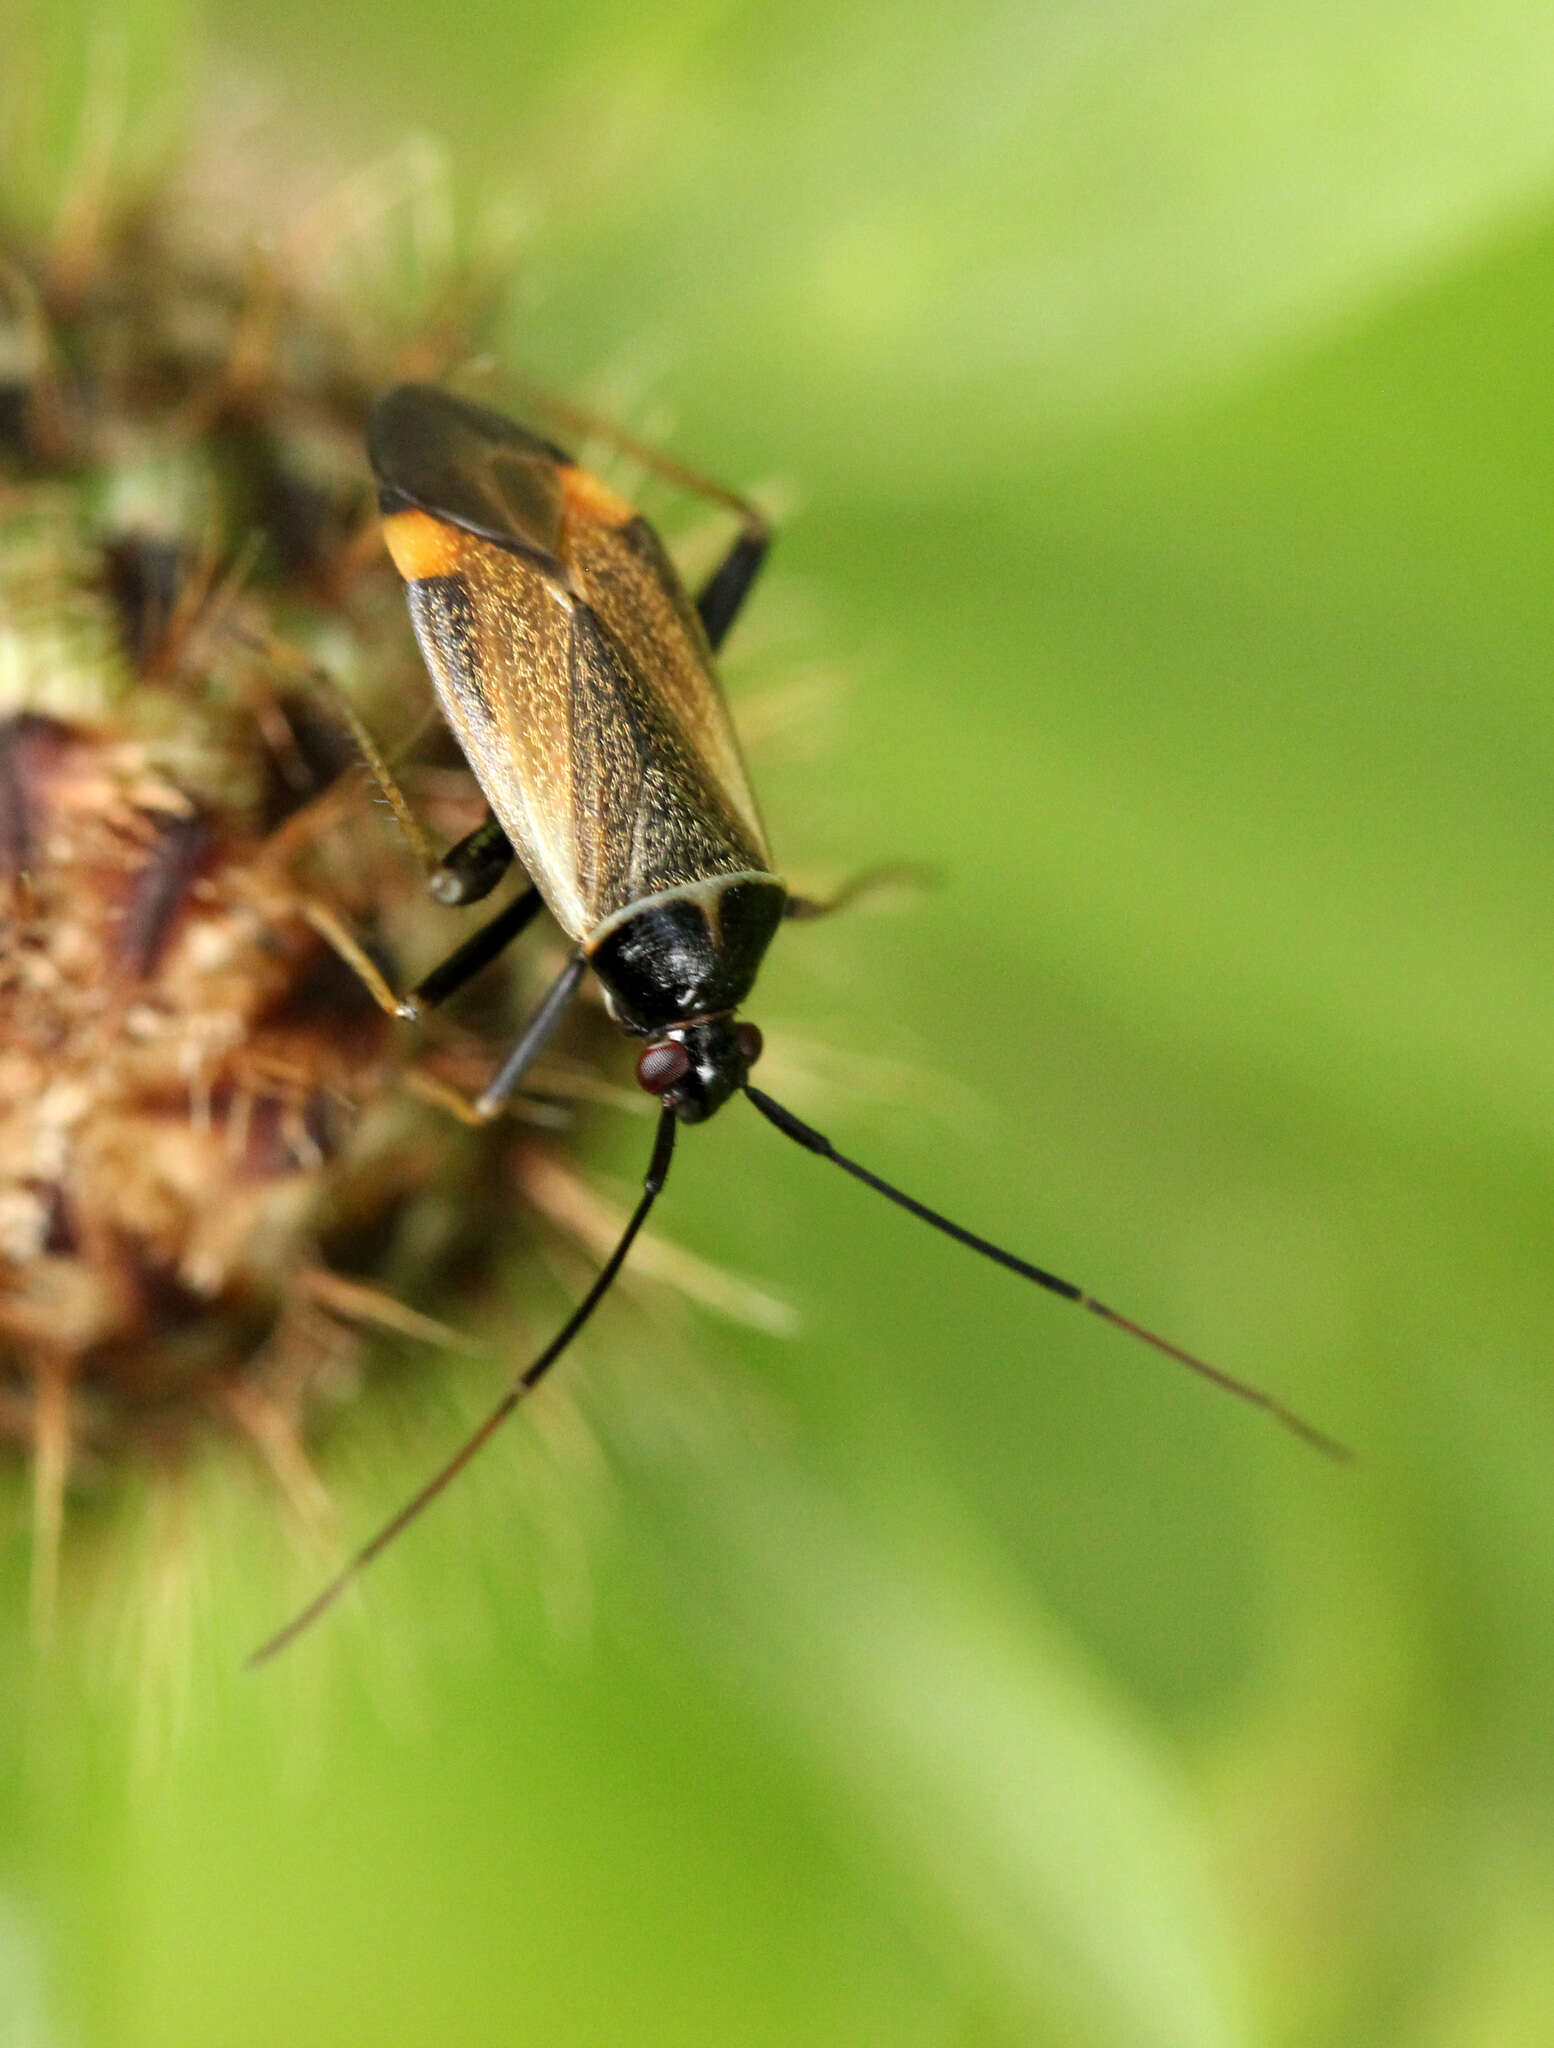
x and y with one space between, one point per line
1162 394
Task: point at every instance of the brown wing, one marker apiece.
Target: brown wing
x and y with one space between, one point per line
595 730
632 588
497 634
573 670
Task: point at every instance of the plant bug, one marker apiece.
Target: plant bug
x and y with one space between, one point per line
577 677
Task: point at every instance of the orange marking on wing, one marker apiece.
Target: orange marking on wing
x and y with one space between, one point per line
422 546
585 497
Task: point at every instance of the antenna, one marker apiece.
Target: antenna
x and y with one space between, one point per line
526 1382
813 1141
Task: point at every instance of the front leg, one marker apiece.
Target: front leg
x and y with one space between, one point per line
466 961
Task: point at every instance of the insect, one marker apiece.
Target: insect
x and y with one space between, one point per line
577 676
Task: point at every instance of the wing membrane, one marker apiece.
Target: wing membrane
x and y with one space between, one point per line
470 467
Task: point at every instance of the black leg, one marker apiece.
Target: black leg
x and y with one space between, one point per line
479 948
537 1034
725 590
473 868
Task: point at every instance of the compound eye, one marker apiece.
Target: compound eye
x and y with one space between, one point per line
663 1066
749 1040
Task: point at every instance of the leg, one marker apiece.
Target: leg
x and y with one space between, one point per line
537 1034
473 868
372 754
454 972
461 965
480 947
469 870
725 590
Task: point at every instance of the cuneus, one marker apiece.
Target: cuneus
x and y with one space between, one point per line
577 676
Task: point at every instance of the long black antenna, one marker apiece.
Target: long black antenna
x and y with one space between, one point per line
813 1141
526 1382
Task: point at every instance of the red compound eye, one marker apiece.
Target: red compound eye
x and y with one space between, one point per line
663 1066
750 1043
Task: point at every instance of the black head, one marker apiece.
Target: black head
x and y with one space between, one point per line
694 1068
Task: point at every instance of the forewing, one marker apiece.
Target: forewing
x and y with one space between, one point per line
635 593
497 637
648 814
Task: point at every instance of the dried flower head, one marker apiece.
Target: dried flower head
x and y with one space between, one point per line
218 1157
